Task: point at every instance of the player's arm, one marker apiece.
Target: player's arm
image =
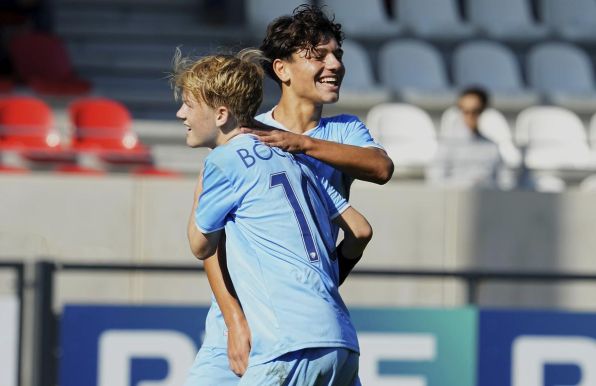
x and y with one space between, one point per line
357 230
219 280
239 339
357 234
363 163
201 245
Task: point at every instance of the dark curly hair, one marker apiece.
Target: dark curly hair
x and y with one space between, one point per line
305 29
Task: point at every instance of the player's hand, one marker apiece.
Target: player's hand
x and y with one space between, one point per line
285 140
239 347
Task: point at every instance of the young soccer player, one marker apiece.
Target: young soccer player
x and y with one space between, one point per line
280 245
305 59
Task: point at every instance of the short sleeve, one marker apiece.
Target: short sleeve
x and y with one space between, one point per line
216 201
357 134
336 203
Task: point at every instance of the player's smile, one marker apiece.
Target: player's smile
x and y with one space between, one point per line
322 68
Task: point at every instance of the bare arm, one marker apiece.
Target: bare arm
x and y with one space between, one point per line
201 245
215 266
357 234
363 163
239 339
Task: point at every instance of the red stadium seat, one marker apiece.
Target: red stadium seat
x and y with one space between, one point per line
42 61
103 126
27 128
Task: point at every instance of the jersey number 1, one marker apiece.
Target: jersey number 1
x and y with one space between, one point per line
309 244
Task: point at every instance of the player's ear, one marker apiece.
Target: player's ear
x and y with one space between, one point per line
222 115
281 70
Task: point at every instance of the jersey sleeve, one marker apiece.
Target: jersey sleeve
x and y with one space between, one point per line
357 134
216 201
336 203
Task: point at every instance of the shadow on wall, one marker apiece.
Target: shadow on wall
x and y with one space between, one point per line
518 231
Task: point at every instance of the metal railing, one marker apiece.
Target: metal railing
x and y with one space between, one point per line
46 322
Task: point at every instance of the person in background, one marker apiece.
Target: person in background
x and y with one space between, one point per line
465 157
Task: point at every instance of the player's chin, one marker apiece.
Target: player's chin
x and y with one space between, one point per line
192 143
332 98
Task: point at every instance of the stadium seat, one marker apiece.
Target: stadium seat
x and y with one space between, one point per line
42 61
358 87
407 132
363 19
259 13
592 132
564 74
433 19
509 20
415 71
588 184
27 131
492 124
494 67
571 19
554 139
103 127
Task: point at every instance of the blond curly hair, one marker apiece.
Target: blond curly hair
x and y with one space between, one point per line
233 81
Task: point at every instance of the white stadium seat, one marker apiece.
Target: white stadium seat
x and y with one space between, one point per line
359 87
571 19
554 138
509 20
592 132
492 124
415 71
407 133
433 19
494 67
564 73
363 19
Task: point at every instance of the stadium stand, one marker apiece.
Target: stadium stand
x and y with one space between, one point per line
102 127
54 75
434 19
554 138
592 132
28 137
117 46
259 13
492 124
414 70
359 87
564 74
408 134
507 20
364 20
571 19
494 67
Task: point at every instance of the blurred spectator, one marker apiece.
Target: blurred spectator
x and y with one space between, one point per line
466 158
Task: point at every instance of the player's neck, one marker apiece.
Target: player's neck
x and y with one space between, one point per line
296 115
226 135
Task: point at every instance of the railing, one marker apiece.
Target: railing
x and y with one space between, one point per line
19 272
46 322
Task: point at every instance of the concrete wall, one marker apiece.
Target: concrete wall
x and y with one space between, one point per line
123 219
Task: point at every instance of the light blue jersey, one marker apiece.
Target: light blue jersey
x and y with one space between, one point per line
344 129
279 245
